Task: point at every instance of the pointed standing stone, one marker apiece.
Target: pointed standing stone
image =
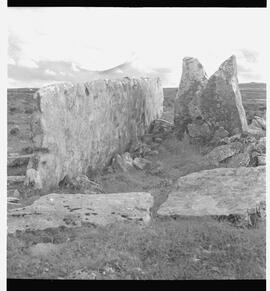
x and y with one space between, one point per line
203 106
187 102
221 101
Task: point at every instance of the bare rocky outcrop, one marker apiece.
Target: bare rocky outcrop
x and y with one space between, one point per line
203 106
221 191
78 128
71 210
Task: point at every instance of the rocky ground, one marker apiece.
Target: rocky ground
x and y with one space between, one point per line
204 248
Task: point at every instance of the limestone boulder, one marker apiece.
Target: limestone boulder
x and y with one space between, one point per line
221 191
259 122
187 101
239 160
123 162
219 134
78 128
223 152
261 145
257 127
71 210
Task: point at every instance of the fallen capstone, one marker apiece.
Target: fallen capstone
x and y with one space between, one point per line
78 128
187 101
221 191
71 210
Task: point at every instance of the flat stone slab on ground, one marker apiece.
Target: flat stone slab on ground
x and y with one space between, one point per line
70 210
220 191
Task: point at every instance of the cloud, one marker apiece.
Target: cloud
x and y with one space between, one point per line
250 55
27 63
50 72
90 43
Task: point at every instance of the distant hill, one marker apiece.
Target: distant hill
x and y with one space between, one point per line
249 91
253 85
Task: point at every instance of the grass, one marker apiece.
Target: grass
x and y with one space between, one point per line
169 249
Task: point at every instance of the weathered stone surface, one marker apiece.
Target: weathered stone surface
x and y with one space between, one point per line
235 137
221 101
187 102
219 134
261 160
239 160
16 194
80 127
70 210
259 122
12 200
43 249
261 145
160 126
123 162
141 163
33 178
255 131
198 130
257 127
221 191
223 152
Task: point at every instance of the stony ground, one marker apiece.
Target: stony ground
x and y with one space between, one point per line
184 249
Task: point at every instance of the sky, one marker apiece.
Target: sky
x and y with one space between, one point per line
47 45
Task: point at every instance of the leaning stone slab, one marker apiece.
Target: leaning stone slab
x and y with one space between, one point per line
70 210
78 128
220 191
221 100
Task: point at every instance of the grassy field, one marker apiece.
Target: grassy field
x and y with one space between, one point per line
182 248
186 248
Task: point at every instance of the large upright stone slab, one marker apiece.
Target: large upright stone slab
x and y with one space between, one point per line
221 101
187 102
79 127
220 191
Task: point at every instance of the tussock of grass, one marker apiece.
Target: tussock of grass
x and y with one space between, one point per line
174 249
